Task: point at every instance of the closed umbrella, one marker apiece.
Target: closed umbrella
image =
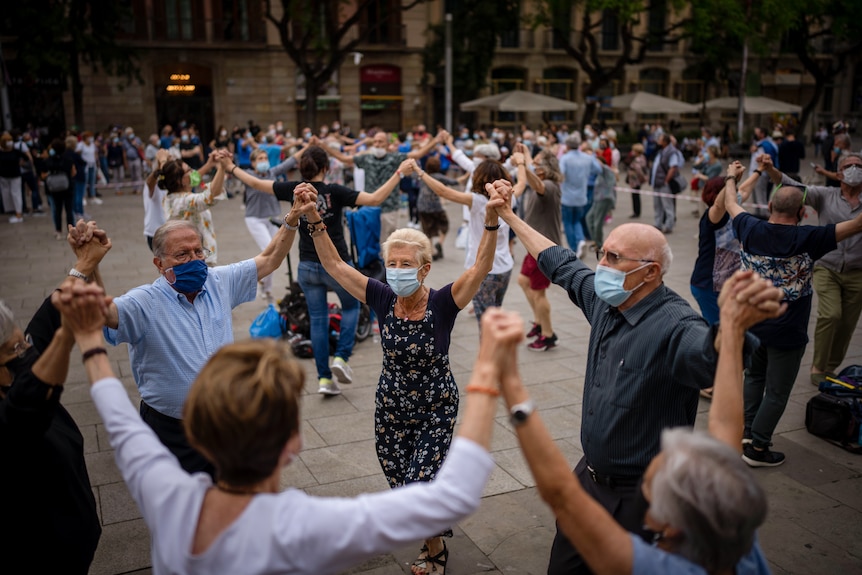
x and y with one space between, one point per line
519 101
646 103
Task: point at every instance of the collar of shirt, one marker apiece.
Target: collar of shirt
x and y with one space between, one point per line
634 314
164 286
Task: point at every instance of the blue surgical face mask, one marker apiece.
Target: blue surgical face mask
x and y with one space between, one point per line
190 276
609 282
262 166
403 281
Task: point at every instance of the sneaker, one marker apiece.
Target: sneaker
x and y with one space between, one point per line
818 378
761 458
84 202
97 200
536 330
580 251
15 220
328 387
40 213
543 343
341 370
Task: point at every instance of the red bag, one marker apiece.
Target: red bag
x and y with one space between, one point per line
695 183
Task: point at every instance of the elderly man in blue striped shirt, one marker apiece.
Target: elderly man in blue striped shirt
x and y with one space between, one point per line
176 323
649 355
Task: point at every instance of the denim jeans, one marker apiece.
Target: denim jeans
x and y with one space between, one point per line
90 185
574 230
707 299
315 282
768 383
80 190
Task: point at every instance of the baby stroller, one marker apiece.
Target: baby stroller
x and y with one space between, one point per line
294 309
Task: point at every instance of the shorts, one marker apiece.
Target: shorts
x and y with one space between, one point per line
434 223
530 268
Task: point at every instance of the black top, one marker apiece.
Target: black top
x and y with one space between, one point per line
49 512
331 199
10 163
789 154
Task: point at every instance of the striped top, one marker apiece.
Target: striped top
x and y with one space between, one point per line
644 367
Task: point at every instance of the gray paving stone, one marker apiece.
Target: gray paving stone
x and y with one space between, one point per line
117 504
341 462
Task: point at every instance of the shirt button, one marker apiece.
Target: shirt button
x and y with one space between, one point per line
591 411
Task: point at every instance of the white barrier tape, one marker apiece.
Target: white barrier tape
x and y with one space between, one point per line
682 196
138 184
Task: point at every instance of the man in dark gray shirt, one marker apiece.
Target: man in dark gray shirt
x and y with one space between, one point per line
649 354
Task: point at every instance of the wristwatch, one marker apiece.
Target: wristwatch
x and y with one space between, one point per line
75 273
521 411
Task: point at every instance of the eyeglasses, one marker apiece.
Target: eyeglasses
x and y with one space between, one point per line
186 256
615 258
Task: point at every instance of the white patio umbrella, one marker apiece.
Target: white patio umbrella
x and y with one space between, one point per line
646 103
519 101
754 105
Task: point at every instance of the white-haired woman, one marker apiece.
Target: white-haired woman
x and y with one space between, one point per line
417 398
703 503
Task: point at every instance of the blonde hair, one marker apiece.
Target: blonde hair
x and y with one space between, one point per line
71 142
244 407
410 238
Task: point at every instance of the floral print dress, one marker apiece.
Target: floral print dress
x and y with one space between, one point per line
194 207
417 398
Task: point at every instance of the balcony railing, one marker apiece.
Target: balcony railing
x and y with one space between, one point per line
520 39
199 31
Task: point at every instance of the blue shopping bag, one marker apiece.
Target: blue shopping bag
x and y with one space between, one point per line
268 324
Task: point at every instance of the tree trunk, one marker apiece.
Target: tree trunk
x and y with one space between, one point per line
808 109
77 88
311 103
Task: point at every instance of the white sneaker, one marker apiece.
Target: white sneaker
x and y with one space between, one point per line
580 251
15 220
96 200
84 202
342 372
328 387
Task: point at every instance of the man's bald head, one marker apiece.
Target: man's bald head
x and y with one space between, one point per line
787 200
641 241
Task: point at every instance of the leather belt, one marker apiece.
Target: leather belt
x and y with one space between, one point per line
612 480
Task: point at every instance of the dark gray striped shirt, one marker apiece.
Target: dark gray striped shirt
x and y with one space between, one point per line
644 367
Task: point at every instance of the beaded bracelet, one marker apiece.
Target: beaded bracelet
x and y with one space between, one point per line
91 352
288 226
482 389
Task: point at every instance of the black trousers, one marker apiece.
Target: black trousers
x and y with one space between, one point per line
625 502
170 432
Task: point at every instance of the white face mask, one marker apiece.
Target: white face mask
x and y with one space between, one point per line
378 152
853 176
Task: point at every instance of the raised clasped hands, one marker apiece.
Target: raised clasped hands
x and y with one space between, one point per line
735 169
408 166
500 197
84 307
747 299
305 199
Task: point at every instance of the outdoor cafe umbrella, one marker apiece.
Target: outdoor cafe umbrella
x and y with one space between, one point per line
519 101
646 103
754 105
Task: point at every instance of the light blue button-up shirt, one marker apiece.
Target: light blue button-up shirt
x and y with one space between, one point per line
577 167
171 339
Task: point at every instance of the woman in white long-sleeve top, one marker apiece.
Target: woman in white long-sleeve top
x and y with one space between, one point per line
243 413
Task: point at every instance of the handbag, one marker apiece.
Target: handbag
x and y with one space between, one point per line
268 324
56 182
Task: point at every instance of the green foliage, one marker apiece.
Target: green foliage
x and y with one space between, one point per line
54 34
476 25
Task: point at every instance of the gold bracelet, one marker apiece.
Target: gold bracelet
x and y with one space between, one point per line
483 389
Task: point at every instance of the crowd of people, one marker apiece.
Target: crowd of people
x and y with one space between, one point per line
218 421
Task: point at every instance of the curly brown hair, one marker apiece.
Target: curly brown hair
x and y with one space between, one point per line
488 172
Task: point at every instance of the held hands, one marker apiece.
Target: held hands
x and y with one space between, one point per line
747 299
84 308
500 193
518 156
89 243
764 162
735 169
409 166
305 201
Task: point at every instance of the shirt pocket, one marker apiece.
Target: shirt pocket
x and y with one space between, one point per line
628 387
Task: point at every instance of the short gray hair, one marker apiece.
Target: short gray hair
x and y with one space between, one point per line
573 141
7 322
489 151
844 157
705 490
663 255
160 238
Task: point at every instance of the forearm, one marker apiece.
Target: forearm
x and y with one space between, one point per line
251 181
725 412
217 185
275 252
379 195
52 367
98 366
534 181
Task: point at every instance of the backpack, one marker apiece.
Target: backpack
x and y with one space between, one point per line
835 414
